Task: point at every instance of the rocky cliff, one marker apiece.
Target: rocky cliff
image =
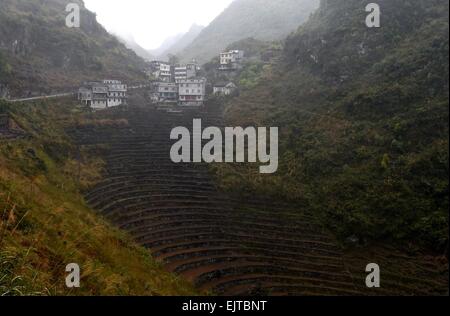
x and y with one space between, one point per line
42 55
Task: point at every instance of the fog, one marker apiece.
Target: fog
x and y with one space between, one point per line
150 22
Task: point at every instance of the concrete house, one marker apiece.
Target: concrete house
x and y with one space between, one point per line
166 92
191 92
231 60
160 70
117 92
224 88
188 71
101 95
85 96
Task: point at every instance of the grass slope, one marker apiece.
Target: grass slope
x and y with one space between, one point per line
45 224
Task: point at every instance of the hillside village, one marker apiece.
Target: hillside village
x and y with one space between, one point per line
183 85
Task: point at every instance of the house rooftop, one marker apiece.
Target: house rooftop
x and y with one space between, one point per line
223 84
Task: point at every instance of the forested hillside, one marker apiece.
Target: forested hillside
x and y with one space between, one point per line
260 19
363 117
42 55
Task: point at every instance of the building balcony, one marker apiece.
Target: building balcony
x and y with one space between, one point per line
118 90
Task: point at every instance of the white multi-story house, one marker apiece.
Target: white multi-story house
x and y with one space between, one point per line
117 92
224 88
101 95
161 71
191 92
85 95
166 92
231 60
165 72
187 71
180 73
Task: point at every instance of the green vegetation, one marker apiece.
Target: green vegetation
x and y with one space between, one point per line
261 19
250 77
260 57
5 68
363 117
46 56
45 224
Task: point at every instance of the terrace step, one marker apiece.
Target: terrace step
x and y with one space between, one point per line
217 241
185 264
254 245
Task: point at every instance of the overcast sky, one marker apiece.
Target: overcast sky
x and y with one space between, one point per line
150 22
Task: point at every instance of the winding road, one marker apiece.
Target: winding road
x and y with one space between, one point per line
62 95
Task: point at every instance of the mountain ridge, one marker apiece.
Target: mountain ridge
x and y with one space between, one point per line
131 43
184 41
168 42
43 56
261 19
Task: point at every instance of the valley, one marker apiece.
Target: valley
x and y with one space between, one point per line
215 241
99 166
222 243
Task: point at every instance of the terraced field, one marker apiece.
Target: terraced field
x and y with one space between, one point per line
220 243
